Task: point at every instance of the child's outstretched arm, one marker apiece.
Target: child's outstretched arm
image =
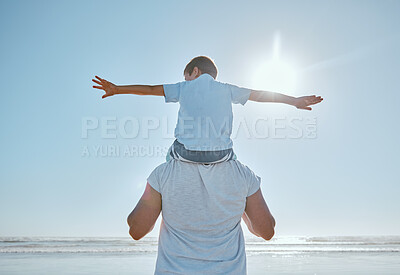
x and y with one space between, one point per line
112 89
299 102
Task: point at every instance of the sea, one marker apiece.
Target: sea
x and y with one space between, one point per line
122 255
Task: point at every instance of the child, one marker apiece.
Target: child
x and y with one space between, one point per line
205 116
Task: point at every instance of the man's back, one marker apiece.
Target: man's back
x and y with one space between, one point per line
202 207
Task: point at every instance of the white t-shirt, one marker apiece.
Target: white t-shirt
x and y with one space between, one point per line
202 207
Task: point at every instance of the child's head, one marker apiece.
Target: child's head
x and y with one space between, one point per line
198 66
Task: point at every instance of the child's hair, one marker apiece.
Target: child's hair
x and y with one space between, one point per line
204 64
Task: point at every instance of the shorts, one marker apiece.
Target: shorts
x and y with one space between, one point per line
179 152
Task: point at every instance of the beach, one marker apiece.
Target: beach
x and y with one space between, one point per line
283 255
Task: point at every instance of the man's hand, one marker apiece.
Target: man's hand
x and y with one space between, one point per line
107 86
304 101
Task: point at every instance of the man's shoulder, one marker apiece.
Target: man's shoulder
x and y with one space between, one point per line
167 166
157 176
161 167
172 169
239 164
242 169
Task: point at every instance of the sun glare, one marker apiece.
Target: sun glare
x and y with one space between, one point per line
275 75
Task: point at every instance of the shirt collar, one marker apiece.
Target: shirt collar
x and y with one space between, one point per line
206 75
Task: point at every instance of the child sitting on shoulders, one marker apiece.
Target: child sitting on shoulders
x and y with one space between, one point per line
204 127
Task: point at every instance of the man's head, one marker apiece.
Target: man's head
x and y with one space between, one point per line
198 66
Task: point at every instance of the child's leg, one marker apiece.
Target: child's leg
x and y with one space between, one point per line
234 157
170 154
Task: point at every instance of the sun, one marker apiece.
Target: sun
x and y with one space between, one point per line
275 74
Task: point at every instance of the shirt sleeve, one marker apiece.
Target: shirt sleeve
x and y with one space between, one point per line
239 95
154 181
254 182
172 92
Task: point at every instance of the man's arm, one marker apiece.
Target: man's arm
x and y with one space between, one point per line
257 216
249 225
142 219
299 102
112 89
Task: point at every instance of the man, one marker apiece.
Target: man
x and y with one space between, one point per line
202 206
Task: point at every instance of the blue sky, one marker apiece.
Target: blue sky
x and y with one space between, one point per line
342 181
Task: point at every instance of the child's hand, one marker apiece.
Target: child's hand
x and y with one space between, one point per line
304 101
108 87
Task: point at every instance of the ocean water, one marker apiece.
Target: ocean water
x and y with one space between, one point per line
281 255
